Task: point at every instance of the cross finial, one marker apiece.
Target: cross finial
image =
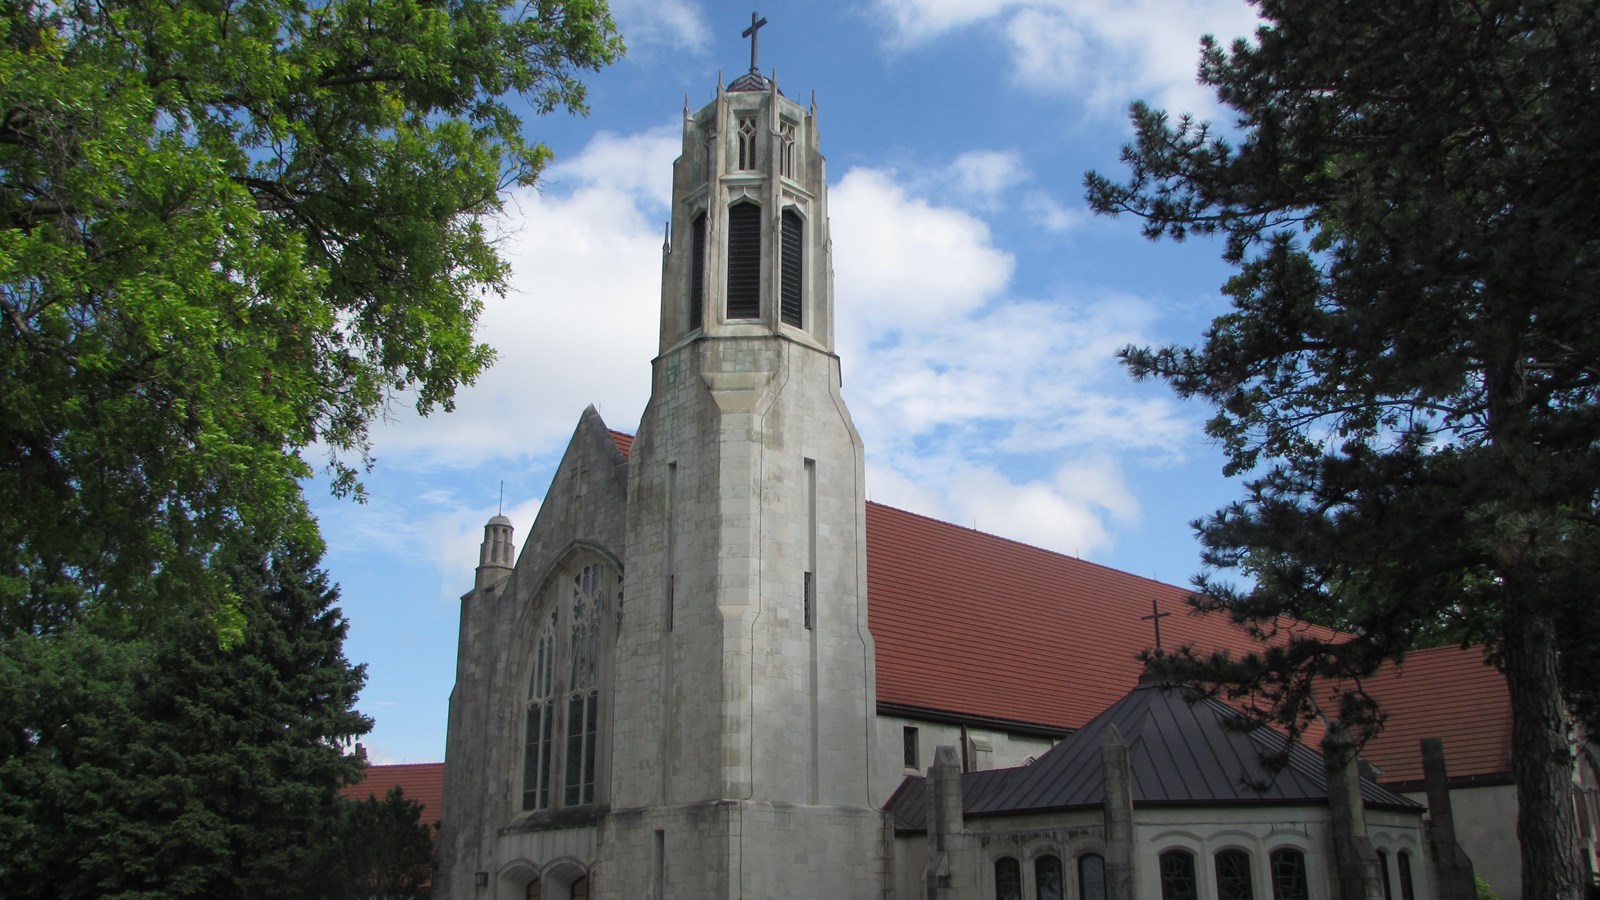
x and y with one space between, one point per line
1156 615
755 25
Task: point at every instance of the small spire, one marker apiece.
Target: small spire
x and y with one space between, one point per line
686 104
719 81
666 236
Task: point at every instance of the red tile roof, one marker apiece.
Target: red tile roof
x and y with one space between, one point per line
422 782
623 441
970 623
1447 693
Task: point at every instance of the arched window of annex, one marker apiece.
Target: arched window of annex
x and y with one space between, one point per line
1092 877
1289 878
1234 881
567 674
1176 868
743 283
1007 878
1383 870
791 295
1408 888
1049 881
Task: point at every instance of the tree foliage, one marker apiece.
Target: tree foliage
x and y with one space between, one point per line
379 850
230 230
1408 374
169 766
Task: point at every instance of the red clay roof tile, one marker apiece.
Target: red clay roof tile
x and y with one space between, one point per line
422 782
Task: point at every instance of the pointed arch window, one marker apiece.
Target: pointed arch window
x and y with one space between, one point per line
539 743
786 145
746 139
793 267
589 588
697 272
744 261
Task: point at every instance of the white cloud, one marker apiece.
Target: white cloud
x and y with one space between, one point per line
580 322
673 24
978 406
1110 53
986 175
911 264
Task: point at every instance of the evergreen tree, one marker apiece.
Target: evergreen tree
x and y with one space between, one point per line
380 850
1408 374
169 766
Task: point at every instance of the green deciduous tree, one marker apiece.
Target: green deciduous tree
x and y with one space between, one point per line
379 849
230 230
1408 374
169 766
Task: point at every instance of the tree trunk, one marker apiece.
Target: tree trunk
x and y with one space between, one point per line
1541 748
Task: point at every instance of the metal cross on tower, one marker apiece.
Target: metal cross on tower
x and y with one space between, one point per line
755 25
1156 615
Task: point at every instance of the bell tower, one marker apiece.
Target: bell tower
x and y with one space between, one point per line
745 701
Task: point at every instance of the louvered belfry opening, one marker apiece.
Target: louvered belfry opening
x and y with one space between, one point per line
697 272
744 261
793 266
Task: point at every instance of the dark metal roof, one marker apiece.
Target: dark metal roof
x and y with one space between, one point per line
1183 750
751 81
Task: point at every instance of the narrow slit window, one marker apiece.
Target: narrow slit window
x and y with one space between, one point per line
793 267
744 261
913 758
697 272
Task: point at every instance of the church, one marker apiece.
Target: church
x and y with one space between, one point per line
715 670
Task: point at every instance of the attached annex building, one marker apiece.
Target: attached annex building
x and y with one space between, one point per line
673 690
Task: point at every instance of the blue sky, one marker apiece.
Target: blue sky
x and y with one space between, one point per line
979 303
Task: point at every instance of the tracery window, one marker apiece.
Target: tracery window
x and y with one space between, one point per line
786 149
1047 878
562 728
746 137
539 746
1233 875
1007 879
589 588
1289 875
1092 877
1177 875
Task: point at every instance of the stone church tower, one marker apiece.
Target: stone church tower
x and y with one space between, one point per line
670 693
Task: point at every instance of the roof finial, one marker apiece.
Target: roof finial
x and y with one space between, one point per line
502 509
755 25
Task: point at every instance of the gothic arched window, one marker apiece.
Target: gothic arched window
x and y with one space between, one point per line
793 266
561 747
539 745
589 588
1047 878
1007 879
744 261
1233 875
1177 875
786 149
746 136
1289 875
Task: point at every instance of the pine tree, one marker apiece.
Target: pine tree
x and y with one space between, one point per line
169 766
1408 375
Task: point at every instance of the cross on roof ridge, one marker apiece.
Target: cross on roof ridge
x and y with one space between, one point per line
756 21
